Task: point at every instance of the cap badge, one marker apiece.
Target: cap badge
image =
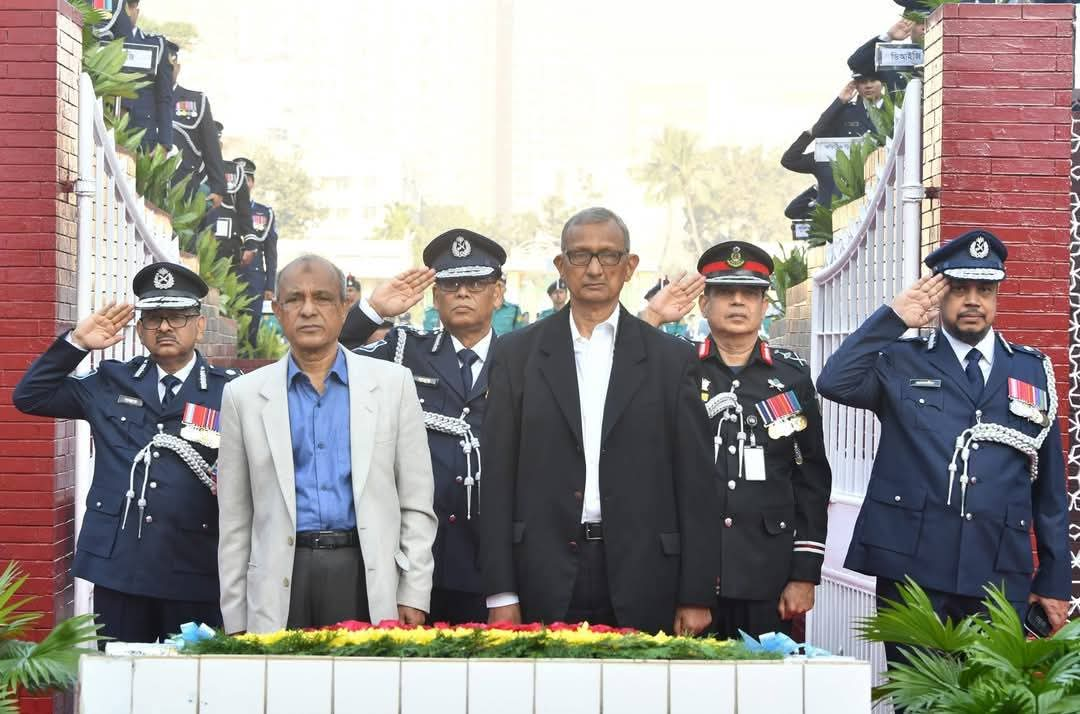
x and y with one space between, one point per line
736 260
460 248
163 279
979 248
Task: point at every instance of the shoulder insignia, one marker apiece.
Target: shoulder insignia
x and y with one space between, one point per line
703 349
370 347
84 376
789 355
931 341
1028 349
143 363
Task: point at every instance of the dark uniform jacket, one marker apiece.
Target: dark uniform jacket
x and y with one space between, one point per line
435 368
176 556
843 119
794 159
907 526
773 531
231 221
264 225
658 500
197 139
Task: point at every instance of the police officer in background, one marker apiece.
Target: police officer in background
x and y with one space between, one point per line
260 273
558 295
231 221
149 537
450 368
771 470
352 290
196 137
970 452
152 108
508 316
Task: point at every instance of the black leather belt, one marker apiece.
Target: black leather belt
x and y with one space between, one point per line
328 539
592 531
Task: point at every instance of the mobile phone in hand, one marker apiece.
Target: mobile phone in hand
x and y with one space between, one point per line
1036 621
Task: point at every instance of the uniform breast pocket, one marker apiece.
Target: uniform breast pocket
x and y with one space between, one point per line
430 390
892 516
926 403
195 547
1014 551
123 425
100 524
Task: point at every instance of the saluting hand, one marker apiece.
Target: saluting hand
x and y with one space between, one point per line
847 92
401 292
901 30
675 300
103 328
919 305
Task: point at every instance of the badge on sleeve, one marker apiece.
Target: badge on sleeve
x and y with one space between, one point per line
782 414
201 425
1028 401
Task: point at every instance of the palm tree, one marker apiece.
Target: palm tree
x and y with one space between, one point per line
676 171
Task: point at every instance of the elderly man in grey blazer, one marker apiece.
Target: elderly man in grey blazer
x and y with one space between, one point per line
325 487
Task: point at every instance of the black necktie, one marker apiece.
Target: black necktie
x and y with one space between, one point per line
171 383
467 358
974 374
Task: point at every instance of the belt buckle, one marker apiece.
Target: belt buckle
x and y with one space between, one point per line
319 545
589 532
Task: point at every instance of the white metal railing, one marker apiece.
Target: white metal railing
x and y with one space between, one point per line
117 236
867 264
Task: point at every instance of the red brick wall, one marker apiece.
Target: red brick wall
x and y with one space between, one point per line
40 58
997 127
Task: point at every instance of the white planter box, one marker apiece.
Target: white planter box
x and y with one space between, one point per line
323 685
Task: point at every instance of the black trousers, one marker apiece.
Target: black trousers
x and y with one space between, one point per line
457 607
591 599
139 618
328 586
754 617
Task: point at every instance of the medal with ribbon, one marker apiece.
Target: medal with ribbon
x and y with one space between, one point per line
201 424
1028 401
782 414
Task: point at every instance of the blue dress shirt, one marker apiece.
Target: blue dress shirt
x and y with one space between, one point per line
322 456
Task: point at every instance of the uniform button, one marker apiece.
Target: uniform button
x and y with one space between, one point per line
734 384
153 484
731 449
205 526
149 519
572 545
973 480
123 418
1023 522
922 401
728 523
452 518
897 499
731 485
460 479
783 525
285 582
290 540
160 426
97 505
967 516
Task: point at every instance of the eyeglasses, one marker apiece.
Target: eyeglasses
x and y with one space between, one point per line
607 258
176 320
473 286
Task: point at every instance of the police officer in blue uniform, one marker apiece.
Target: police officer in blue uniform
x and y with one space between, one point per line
260 273
196 137
772 474
149 537
450 368
970 452
152 108
231 221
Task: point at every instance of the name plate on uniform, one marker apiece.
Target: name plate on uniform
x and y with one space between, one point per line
141 58
223 227
825 148
800 230
897 56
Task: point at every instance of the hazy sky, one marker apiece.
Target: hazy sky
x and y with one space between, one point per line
394 101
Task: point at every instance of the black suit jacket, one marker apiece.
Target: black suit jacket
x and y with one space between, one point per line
656 485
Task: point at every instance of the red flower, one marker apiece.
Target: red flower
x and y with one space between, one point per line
440 625
602 629
351 625
391 625
476 625
560 626
528 627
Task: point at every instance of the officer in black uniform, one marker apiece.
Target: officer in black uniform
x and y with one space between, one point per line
260 273
231 221
149 537
196 137
451 372
152 108
771 470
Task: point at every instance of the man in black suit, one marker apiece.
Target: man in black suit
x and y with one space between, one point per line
597 501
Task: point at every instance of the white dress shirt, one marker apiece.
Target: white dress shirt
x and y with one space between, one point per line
181 374
480 348
985 348
593 358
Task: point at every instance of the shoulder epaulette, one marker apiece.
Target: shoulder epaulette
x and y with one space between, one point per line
140 365
370 347
789 356
227 372
1025 349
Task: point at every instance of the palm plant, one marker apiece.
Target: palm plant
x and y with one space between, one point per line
788 271
52 663
677 171
980 665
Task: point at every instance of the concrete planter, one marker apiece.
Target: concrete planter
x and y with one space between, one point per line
324 685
